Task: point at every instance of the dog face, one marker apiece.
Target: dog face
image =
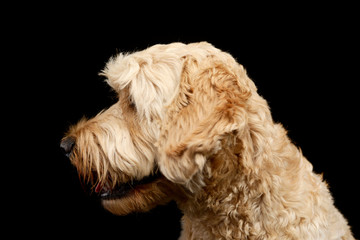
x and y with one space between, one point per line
177 106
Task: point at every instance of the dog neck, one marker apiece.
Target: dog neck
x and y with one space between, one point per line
247 187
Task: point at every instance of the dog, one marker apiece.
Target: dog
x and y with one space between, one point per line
189 126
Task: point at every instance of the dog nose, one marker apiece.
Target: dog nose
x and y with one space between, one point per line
67 145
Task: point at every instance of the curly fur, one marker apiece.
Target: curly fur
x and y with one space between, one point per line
192 113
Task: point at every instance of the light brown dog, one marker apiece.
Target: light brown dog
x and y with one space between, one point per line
190 126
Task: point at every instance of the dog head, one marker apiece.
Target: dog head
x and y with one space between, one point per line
177 106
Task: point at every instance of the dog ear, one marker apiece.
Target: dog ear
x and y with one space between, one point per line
210 104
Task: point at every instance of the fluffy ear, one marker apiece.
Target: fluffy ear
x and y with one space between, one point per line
211 103
151 76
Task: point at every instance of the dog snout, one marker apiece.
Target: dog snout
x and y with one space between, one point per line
67 145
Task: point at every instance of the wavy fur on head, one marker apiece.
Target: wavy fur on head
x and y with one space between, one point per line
190 115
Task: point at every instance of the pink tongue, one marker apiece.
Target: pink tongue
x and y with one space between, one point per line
98 188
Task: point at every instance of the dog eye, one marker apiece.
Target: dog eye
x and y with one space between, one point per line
132 104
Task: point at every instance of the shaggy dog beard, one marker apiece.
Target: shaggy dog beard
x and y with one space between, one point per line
107 153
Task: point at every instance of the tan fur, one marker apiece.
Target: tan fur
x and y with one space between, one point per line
191 112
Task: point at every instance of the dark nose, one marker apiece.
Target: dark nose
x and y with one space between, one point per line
67 145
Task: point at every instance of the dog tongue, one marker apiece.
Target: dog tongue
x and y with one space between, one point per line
98 188
103 187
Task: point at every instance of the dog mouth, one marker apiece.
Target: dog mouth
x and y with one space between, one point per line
107 192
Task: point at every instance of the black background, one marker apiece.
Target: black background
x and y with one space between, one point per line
302 62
